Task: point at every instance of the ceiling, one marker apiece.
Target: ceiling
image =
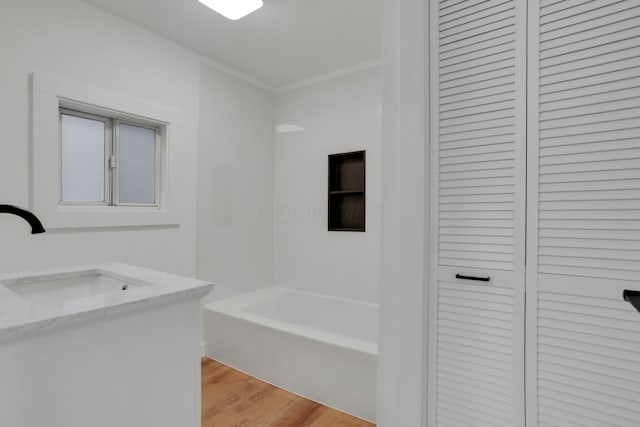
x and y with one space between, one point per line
284 42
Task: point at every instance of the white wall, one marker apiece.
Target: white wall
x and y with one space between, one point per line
402 382
235 184
338 115
71 40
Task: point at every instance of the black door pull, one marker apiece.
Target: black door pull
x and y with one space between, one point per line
476 278
633 297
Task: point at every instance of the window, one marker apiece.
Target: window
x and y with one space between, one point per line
108 161
101 158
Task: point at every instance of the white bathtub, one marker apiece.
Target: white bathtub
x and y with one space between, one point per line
320 347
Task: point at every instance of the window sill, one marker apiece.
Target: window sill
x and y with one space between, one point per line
65 217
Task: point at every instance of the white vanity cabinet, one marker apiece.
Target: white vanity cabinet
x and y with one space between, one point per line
103 359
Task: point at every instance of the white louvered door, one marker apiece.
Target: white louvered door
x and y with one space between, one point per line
583 242
478 107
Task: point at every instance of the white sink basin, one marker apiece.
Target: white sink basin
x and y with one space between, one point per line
52 290
34 302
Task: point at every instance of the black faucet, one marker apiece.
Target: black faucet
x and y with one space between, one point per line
34 222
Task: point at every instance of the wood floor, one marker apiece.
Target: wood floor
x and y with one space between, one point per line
233 399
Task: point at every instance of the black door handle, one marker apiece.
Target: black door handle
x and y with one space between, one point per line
633 297
476 278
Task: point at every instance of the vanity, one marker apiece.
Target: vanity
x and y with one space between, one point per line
101 346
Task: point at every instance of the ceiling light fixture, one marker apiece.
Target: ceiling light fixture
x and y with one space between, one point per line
233 9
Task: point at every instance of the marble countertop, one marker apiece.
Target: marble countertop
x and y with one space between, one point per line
20 317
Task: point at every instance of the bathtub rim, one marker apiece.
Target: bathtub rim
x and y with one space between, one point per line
234 307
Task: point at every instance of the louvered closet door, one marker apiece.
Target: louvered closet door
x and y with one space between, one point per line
476 352
583 353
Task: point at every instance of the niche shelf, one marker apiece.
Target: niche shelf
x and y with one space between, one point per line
347 191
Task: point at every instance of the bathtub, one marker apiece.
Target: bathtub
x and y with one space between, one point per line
320 347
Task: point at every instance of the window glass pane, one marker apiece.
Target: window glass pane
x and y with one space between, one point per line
137 165
82 159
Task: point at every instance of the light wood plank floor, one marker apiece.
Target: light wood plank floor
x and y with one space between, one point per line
233 399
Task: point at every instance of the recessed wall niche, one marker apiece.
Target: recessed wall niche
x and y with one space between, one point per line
347 191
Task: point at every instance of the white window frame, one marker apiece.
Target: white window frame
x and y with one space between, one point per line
50 95
108 126
112 158
115 180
